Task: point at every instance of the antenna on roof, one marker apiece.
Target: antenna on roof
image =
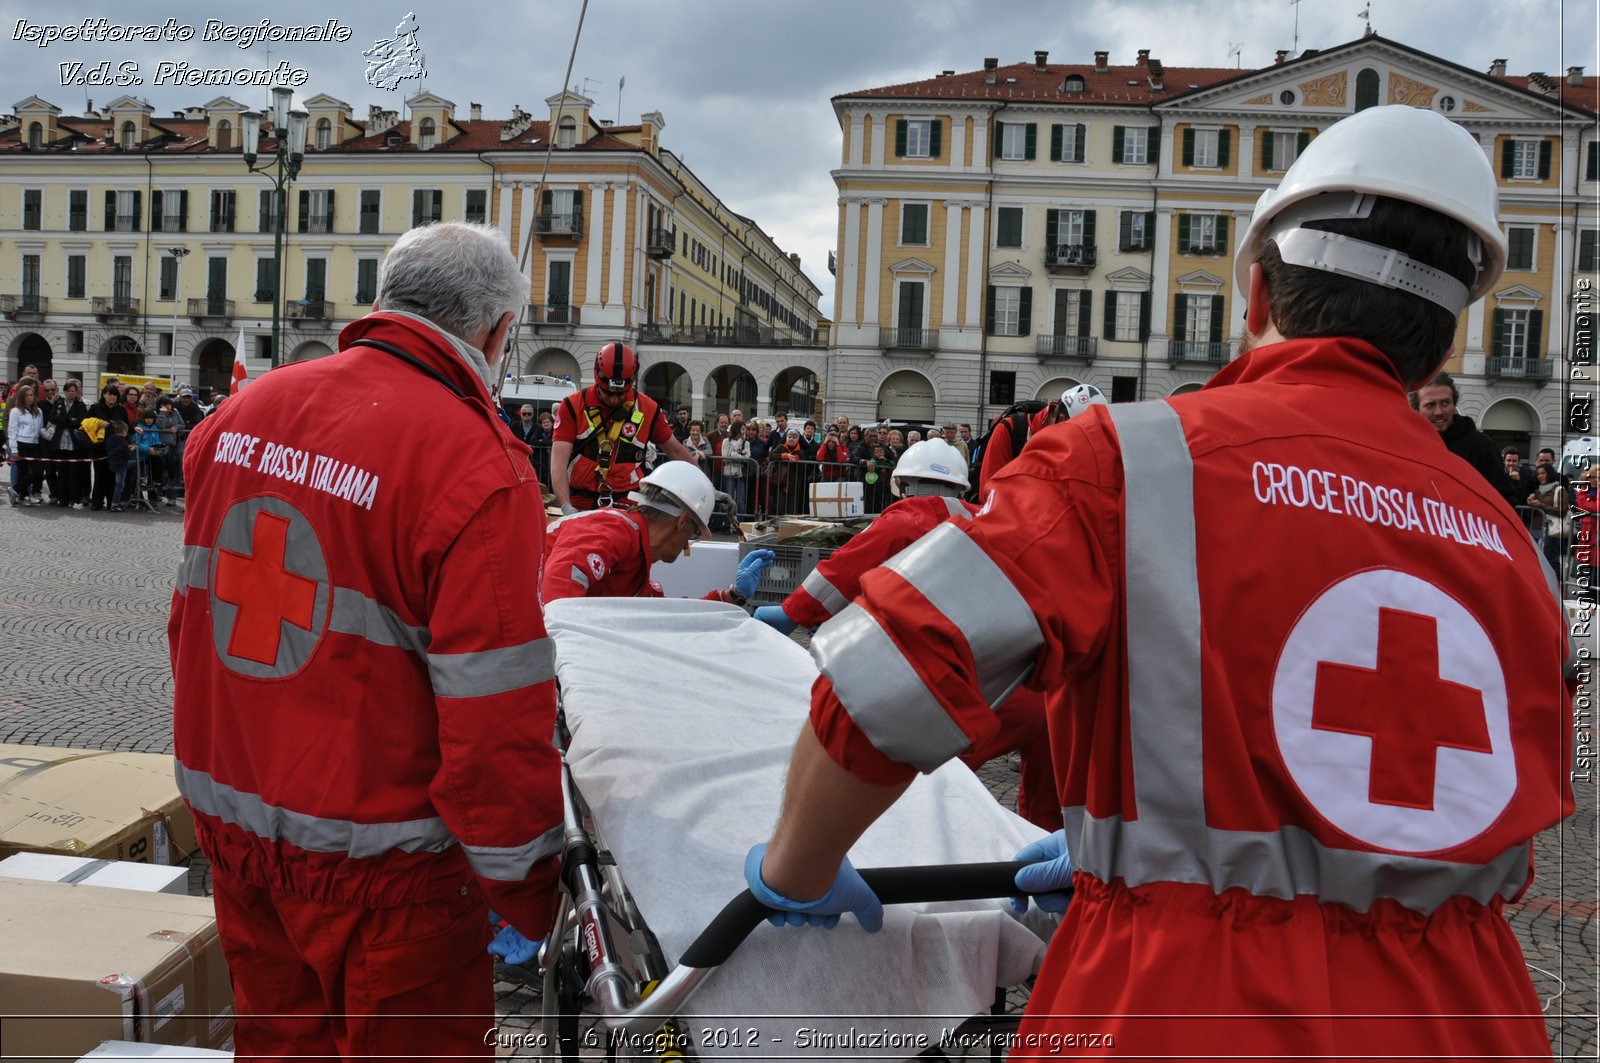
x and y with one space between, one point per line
1294 48
1366 16
621 81
1234 51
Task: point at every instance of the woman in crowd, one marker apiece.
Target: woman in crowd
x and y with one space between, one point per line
540 441
833 458
697 442
24 428
737 468
110 410
896 445
786 473
1551 500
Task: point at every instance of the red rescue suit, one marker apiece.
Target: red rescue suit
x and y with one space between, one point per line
363 700
608 446
1315 713
835 582
604 553
997 452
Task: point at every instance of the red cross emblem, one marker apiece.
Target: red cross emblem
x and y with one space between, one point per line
1381 702
266 593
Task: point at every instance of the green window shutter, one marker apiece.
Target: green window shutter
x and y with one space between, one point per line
138 210
1153 146
1266 149
1085 311
1058 323
1216 318
1508 158
577 204
1052 227
1030 141
1188 147
158 202
416 207
183 212
1144 316
305 208
988 311
900 138
1497 342
1224 147
1535 330
1081 144
1110 330
1125 231
1025 312
1088 228
1180 315
1150 230
1222 234
1183 234
1544 160
1591 170
936 139
1055 142
1117 140
547 199
330 210
999 137
111 212
1300 143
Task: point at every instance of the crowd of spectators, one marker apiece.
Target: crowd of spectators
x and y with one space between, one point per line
118 451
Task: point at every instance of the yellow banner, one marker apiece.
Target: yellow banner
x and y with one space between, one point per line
162 382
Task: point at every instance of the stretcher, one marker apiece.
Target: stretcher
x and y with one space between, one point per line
679 719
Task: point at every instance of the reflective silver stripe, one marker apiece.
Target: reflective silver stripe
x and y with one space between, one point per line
477 675
514 863
580 577
963 583
194 570
1163 604
882 692
1285 863
956 508
827 595
312 833
356 614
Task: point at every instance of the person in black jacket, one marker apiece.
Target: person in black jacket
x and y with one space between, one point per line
111 410
69 483
1436 400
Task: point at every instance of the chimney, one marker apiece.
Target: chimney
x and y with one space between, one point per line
1540 82
650 127
1040 59
1100 61
1144 57
1497 68
1282 54
476 112
379 120
794 259
1575 76
947 73
1156 75
989 66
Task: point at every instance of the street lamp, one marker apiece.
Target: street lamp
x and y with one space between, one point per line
287 154
177 254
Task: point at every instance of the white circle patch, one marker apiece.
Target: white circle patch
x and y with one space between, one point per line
597 565
1389 706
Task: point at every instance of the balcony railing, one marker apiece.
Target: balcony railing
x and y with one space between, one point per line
304 312
1512 367
319 223
29 306
895 338
109 306
125 223
1065 256
172 223
1052 346
214 309
1194 351
548 224
725 335
558 315
222 223
661 243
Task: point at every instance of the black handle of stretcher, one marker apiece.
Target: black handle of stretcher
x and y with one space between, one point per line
893 885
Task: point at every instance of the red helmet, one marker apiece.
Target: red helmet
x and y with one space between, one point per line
615 367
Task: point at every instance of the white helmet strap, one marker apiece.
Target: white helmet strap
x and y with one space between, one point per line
1370 262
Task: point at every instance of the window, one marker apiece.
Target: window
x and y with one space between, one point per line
1069 237
918 138
1073 83
1010 310
169 211
427 206
1366 89
909 305
1527 160
914 224
1072 312
366 281
1202 149
371 207
1002 387
30 282
1447 104
74 341
1067 141
264 347
567 133
78 210
77 271
324 134
268 210
1136 230
1202 234
1130 145
122 281
316 280
1279 149
1286 97
266 280
563 209
558 290
1586 250
426 134
130 136
222 210
32 208
1198 318
1008 227
1127 316
477 205
1516 333
216 285
35 136
1520 254
224 135
167 289
122 212
1591 169
1015 140
316 210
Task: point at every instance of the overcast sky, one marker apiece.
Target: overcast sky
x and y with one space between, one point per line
744 85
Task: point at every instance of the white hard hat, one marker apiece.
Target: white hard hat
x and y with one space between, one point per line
931 459
1396 151
1075 400
687 486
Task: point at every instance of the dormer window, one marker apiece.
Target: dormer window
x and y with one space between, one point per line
324 134
35 136
567 133
130 135
1074 83
426 134
224 135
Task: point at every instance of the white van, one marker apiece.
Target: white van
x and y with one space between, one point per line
532 389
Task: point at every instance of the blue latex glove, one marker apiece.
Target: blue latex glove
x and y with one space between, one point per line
513 948
849 893
774 616
751 568
1049 871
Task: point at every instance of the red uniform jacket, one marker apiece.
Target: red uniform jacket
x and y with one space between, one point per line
997 453
364 686
583 422
1315 711
604 553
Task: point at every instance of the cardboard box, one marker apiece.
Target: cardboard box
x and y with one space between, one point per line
839 498
84 966
82 802
84 871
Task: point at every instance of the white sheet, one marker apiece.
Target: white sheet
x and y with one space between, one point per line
683 716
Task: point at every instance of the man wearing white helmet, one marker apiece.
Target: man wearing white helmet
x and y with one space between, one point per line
607 553
1013 429
929 480
1308 770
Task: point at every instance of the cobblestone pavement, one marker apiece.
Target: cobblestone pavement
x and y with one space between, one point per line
83 664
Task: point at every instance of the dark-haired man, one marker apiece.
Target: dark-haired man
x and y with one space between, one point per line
1311 767
1436 400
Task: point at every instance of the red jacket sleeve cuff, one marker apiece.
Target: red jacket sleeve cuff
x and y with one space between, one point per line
845 743
805 610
